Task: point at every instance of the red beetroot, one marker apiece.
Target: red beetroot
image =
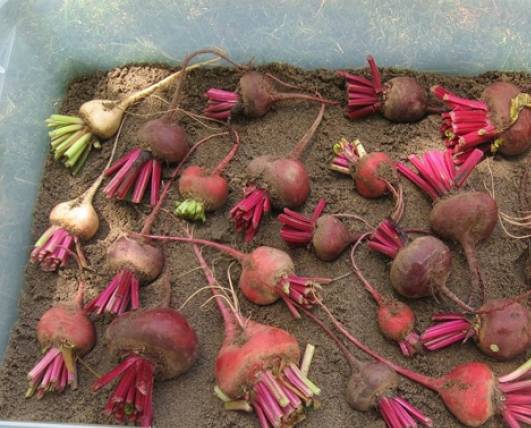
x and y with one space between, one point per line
395 319
500 120
204 191
466 217
326 233
257 94
400 99
374 173
140 169
135 261
268 274
470 391
256 366
278 182
64 333
501 329
373 386
152 343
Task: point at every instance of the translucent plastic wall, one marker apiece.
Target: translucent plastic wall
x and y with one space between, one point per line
45 43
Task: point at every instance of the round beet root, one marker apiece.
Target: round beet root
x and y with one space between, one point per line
371 172
160 335
368 385
168 140
421 268
142 259
262 270
404 100
503 329
286 180
516 137
330 237
198 184
66 325
396 320
468 217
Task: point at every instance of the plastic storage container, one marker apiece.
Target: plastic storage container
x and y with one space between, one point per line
44 44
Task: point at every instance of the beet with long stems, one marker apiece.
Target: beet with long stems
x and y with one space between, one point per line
153 344
372 385
257 93
396 320
465 217
70 222
470 391
72 137
499 121
268 274
64 332
136 261
257 366
324 232
274 181
203 190
374 173
140 171
400 99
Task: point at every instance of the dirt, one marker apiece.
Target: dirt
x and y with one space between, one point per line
189 400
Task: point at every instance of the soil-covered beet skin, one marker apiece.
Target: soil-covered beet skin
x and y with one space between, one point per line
421 268
516 139
66 325
366 386
404 100
248 352
468 217
168 140
141 258
504 329
368 174
330 238
286 180
161 335
261 271
197 183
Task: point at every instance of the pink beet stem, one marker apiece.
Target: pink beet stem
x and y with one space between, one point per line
119 163
466 168
150 219
318 210
135 158
298 149
352 79
295 222
261 416
156 174
420 182
368 286
414 411
364 112
114 373
43 364
142 182
294 237
376 77
226 160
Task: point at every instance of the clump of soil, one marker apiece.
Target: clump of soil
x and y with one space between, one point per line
189 399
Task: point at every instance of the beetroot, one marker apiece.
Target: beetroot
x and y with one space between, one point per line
204 190
278 182
374 173
257 94
136 261
153 343
64 333
373 386
326 233
396 320
268 274
470 391
500 120
70 223
256 366
501 329
400 99
466 217
139 169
